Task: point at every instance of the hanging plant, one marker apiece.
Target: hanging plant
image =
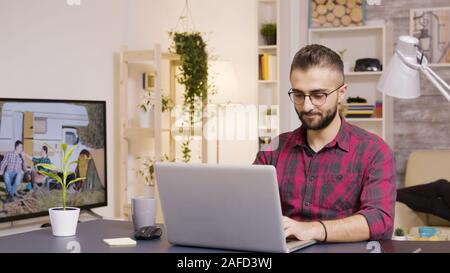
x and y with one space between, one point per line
191 48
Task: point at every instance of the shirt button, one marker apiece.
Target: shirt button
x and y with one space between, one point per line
307 204
311 178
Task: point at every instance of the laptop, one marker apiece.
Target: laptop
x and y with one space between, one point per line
223 206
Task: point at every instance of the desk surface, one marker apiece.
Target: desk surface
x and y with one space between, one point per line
90 237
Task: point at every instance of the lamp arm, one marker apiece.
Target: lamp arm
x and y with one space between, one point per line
442 86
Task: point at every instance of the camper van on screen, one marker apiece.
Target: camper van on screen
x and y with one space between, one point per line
41 124
32 132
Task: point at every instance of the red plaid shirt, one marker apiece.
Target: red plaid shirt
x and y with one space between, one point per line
353 174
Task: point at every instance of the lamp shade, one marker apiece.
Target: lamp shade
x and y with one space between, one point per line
399 79
223 76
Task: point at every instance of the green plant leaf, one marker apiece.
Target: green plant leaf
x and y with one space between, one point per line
47 166
68 155
73 162
52 175
64 147
75 180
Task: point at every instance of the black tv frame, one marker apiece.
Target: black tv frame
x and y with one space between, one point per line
86 207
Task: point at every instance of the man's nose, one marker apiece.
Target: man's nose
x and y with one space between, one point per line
307 105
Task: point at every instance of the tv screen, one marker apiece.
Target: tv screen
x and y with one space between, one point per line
32 132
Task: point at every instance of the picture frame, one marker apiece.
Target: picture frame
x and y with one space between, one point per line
431 26
336 13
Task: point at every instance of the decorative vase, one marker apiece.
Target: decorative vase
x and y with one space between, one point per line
146 118
271 40
64 221
143 212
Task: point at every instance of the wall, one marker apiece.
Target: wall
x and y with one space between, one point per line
422 123
52 50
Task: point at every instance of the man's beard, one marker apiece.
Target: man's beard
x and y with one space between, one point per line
320 124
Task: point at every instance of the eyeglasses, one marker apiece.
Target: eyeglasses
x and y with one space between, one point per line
316 98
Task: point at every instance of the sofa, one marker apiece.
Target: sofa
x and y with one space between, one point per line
423 167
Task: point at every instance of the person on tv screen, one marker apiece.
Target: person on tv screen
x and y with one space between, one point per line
86 168
36 177
13 168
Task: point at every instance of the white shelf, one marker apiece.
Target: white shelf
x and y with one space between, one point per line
363 42
363 73
268 91
439 65
364 119
268 82
343 29
132 132
268 47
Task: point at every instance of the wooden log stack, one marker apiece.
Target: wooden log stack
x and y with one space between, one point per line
336 13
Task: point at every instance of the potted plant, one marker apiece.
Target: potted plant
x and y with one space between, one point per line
194 77
269 33
146 110
399 235
63 219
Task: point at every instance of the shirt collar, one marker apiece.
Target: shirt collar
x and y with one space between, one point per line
342 139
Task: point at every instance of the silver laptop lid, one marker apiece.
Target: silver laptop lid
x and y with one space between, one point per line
221 206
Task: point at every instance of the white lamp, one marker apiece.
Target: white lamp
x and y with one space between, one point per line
223 76
401 77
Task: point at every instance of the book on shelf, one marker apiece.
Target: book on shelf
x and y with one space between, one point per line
359 110
267 67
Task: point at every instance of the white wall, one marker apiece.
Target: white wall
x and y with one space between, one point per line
49 49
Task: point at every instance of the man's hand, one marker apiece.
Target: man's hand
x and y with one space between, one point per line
303 230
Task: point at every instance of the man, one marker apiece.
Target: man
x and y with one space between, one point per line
336 180
36 177
13 168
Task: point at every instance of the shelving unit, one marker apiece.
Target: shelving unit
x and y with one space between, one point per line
161 133
268 90
377 41
128 132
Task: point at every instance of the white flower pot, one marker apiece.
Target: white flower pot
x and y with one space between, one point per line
146 118
399 238
143 212
64 222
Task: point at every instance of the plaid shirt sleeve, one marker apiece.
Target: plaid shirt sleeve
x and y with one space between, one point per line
379 194
4 161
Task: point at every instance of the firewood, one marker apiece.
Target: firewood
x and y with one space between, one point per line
330 5
346 20
339 11
321 19
321 9
336 22
351 3
356 14
330 17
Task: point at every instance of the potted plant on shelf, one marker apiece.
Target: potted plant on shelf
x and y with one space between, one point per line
269 33
63 219
146 108
399 235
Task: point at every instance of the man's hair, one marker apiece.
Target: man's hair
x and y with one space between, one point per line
317 56
18 142
45 149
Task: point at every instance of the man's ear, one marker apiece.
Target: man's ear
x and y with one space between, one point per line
341 94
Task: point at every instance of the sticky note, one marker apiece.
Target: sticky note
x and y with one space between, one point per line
120 242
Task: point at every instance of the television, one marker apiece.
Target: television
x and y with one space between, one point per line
32 131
